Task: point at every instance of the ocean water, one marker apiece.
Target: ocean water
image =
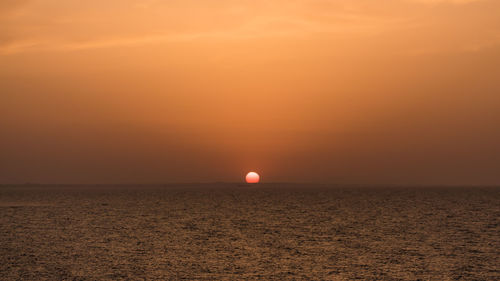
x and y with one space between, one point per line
237 232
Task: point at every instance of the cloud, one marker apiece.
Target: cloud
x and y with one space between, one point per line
52 26
445 1
265 25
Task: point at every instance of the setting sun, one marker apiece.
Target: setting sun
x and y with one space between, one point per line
252 177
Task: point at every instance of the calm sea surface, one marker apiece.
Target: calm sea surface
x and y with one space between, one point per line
232 232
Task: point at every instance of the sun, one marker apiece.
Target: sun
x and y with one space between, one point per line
252 177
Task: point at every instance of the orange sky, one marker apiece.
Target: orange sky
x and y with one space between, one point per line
358 91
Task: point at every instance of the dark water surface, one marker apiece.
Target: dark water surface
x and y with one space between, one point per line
231 232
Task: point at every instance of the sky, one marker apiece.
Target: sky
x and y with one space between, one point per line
331 91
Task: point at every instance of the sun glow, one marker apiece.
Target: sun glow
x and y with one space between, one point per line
252 177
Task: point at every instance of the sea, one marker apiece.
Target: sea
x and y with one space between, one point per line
230 231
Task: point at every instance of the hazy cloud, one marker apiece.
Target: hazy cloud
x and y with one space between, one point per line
41 28
48 25
445 1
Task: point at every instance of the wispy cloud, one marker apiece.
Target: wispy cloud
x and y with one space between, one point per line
254 28
50 26
451 2
445 1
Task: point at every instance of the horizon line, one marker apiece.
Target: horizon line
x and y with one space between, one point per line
260 183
